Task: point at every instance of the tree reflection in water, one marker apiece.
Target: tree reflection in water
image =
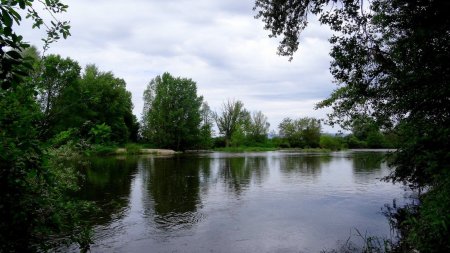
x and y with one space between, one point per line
174 185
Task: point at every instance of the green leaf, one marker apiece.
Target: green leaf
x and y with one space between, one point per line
22 4
7 19
14 54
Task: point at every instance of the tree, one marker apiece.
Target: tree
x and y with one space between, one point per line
258 127
54 76
206 126
391 61
303 132
231 120
367 132
103 98
172 112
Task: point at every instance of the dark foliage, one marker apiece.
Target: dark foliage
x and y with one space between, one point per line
392 64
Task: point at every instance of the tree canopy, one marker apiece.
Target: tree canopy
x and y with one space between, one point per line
172 113
231 119
301 133
391 62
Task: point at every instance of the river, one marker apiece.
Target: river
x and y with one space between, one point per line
237 202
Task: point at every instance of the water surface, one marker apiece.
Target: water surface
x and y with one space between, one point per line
243 202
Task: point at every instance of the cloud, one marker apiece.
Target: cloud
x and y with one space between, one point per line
216 43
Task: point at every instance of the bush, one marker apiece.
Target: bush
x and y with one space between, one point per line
219 142
331 142
100 133
101 150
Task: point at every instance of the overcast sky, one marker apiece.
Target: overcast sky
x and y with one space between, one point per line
216 43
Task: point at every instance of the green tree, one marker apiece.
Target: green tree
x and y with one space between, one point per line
206 128
231 119
367 132
391 61
258 128
303 132
54 75
100 98
331 142
172 112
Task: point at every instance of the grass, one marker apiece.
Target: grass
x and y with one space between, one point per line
133 148
367 244
102 150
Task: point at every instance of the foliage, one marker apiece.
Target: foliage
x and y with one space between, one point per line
103 98
60 215
331 142
353 142
430 225
63 137
368 133
172 108
258 128
34 185
391 62
231 120
219 142
68 100
12 68
53 76
301 133
101 150
133 148
100 133
20 161
206 128
244 149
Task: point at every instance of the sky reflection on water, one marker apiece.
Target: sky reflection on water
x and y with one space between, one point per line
237 202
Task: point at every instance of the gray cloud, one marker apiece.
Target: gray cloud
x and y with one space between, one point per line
216 43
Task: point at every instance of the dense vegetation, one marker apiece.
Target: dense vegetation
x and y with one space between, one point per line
34 185
391 62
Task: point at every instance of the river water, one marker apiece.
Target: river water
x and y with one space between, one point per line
237 202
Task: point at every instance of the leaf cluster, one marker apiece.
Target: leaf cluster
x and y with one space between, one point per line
13 68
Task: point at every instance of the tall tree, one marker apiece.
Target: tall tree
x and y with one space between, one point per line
54 76
231 119
391 61
172 112
103 98
206 127
258 129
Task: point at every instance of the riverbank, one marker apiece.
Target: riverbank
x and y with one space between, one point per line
139 149
142 151
264 149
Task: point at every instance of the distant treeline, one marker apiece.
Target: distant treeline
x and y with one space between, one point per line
93 107
175 117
